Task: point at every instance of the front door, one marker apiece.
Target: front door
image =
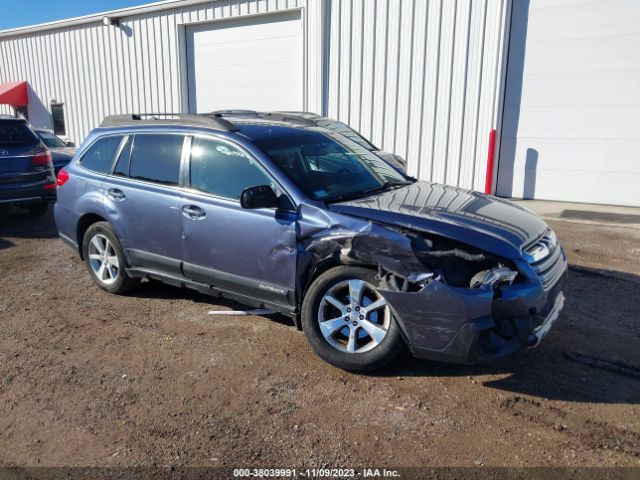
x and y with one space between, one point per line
250 252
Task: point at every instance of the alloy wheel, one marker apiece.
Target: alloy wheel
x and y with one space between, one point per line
103 259
353 316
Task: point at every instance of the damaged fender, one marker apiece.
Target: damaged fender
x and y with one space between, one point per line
430 312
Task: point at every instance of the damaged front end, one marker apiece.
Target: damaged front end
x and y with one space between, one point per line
453 302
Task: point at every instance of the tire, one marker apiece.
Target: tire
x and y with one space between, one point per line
38 210
101 248
350 346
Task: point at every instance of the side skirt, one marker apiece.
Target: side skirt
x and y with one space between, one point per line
180 281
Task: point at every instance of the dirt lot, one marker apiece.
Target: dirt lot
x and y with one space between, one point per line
88 378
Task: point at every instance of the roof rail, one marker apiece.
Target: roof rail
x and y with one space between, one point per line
224 113
134 119
300 118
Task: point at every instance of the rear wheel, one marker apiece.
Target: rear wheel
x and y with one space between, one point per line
105 260
348 322
38 210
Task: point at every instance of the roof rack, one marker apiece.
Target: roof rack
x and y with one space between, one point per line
134 119
300 118
289 117
224 113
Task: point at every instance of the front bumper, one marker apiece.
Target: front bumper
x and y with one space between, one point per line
473 326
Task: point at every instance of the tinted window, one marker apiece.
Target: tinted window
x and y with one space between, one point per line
100 155
122 167
50 140
328 166
156 158
223 170
16 132
347 131
57 114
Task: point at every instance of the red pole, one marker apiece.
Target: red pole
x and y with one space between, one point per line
488 186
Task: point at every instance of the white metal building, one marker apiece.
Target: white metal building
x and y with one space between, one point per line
426 79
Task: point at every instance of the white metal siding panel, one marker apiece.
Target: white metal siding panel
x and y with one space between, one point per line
98 71
247 63
421 79
572 104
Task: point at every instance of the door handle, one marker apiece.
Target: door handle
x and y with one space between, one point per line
194 212
116 194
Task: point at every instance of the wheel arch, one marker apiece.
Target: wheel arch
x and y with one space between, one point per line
83 225
312 272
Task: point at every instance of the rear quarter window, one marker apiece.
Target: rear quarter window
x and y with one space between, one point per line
99 157
15 133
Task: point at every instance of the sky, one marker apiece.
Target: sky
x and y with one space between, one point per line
20 13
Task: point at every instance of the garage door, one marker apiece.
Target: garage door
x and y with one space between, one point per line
571 124
249 63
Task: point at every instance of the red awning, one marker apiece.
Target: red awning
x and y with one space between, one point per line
14 93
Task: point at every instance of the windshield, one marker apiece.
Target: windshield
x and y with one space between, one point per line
13 133
329 167
51 141
346 131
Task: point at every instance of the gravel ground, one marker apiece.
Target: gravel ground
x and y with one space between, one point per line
149 379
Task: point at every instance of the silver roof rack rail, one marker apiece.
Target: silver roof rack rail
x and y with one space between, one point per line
231 112
135 119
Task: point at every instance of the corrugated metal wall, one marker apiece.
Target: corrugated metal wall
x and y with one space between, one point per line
98 71
421 79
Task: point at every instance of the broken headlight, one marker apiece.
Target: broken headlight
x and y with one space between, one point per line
460 265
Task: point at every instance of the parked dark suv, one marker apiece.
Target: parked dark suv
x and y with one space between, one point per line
306 222
26 169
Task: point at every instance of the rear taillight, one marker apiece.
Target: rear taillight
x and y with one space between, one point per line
63 176
42 158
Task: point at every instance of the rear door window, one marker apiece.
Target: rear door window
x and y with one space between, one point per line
100 155
156 158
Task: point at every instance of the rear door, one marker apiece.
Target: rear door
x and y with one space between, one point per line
251 252
141 199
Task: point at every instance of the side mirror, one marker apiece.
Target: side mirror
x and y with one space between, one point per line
261 196
70 144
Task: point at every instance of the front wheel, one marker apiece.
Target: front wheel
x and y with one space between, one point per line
105 260
348 322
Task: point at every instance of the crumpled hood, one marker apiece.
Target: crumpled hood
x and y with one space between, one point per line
482 221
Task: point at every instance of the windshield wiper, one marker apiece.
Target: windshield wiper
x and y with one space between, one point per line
389 185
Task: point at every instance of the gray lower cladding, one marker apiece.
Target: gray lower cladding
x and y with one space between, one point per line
69 242
211 282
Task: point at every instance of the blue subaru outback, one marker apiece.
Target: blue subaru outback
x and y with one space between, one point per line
304 221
